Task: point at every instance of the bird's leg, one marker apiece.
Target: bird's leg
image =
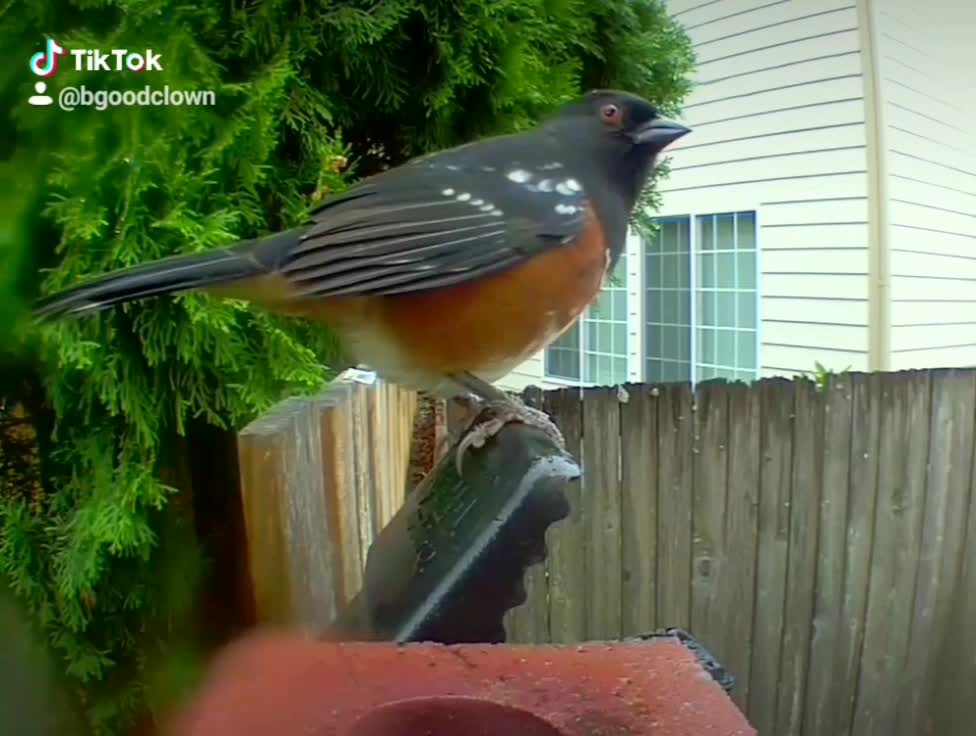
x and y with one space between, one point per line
505 409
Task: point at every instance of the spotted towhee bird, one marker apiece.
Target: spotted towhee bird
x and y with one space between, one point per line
447 272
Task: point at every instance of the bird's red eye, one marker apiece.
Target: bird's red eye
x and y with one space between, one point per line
610 114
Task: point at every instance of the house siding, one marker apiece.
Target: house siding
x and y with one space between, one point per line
778 122
928 94
779 126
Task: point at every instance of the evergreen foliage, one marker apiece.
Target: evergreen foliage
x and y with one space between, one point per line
310 96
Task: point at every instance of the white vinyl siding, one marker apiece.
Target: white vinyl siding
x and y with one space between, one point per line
778 125
928 92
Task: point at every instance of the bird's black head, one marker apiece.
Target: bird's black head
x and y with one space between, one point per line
616 134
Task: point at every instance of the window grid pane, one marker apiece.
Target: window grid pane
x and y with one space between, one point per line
594 349
725 297
562 359
667 300
605 336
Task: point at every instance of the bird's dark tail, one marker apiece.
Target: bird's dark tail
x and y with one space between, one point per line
218 267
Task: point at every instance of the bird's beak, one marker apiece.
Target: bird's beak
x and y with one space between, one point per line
660 131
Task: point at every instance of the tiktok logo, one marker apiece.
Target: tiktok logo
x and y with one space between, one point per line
45 63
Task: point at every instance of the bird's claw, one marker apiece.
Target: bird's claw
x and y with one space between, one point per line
504 413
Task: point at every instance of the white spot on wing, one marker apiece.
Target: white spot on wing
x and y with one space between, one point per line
568 186
566 209
519 176
477 202
546 185
496 212
448 192
553 165
487 208
463 197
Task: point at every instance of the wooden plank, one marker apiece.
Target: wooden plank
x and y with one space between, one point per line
861 505
379 429
709 471
567 581
802 558
825 699
401 427
289 545
601 489
401 409
638 506
261 457
529 622
776 447
360 456
738 583
675 443
339 478
954 708
943 533
901 497
384 426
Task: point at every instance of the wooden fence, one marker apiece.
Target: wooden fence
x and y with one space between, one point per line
814 540
320 477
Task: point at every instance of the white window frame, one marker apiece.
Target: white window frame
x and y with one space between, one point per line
641 302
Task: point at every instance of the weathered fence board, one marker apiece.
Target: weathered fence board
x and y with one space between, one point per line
818 540
286 518
676 438
601 502
317 483
823 685
901 484
738 591
638 510
953 707
567 612
773 545
709 483
530 622
943 532
804 516
861 506
340 489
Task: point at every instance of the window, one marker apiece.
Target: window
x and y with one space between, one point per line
698 310
725 296
667 302
701 311
594 349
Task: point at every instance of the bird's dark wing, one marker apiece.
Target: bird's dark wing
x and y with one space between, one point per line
437 221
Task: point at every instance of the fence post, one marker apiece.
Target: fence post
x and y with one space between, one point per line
285 516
